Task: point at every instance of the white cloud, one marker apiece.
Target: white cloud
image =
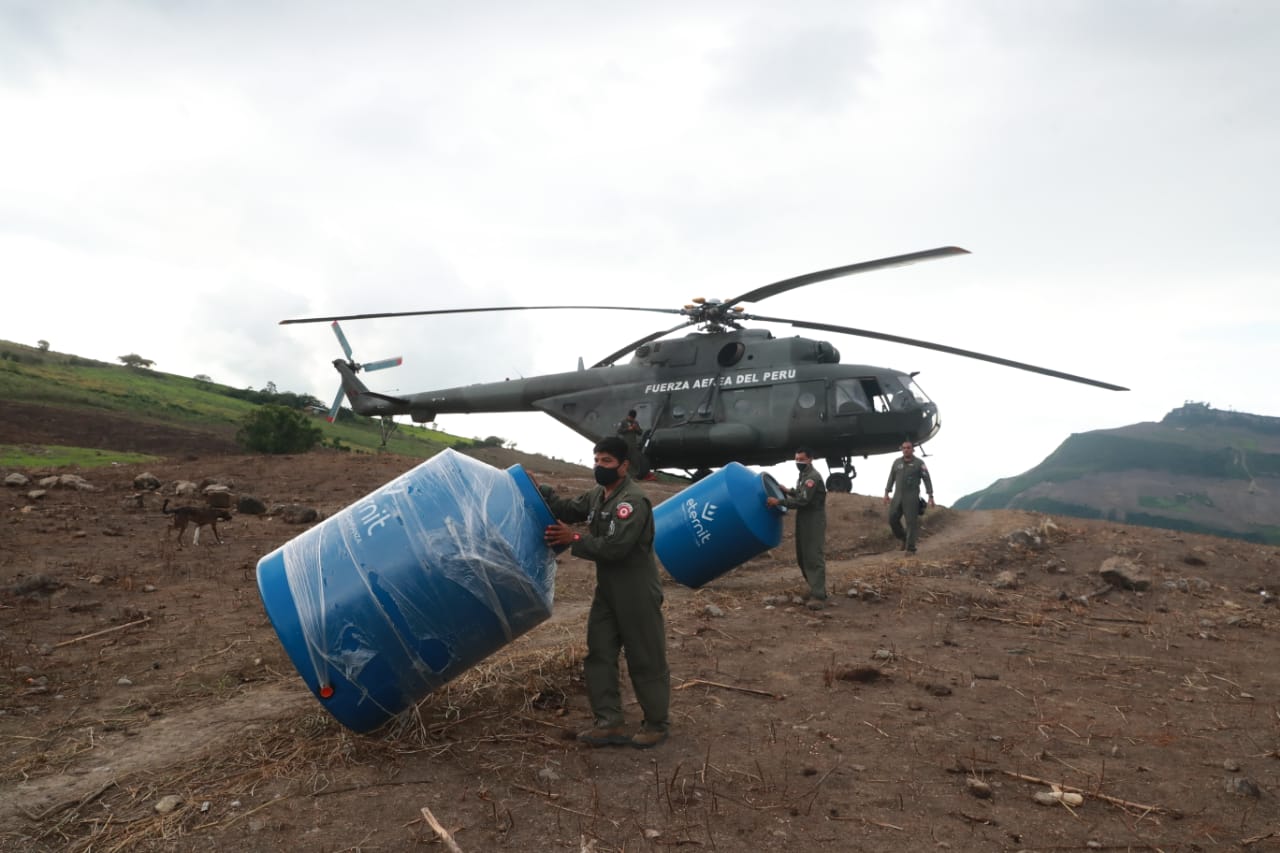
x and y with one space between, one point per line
179 177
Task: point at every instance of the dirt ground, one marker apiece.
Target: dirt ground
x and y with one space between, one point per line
924 711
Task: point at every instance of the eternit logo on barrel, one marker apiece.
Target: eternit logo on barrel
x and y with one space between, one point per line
370 515
701 531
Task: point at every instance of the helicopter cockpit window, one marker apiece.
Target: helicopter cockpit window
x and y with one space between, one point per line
731 354
851 398
904 393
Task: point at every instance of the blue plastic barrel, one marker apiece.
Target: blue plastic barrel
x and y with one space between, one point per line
718 523
408 587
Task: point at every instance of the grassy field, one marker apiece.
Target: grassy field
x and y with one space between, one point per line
31 375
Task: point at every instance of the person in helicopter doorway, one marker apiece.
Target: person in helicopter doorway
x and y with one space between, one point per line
626 611
904 486
630 431
809 500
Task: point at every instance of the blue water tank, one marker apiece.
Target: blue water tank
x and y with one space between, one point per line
718 523
408 587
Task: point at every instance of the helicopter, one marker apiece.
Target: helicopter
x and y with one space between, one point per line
723 393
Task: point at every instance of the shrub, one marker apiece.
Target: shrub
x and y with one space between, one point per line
278 429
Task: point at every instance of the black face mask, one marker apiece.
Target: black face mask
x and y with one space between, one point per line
800 466
605 476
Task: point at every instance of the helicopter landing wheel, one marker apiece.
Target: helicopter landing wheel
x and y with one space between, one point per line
837 482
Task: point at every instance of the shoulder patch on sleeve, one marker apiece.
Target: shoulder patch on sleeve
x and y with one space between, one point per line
808 484
624 511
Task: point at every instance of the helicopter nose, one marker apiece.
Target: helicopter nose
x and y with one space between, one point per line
930 423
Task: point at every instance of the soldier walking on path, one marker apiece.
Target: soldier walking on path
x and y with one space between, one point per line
626 612
904 486
809 500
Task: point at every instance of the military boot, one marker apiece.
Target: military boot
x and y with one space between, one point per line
599 735
648 738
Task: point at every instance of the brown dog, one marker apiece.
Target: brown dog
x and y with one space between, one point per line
197 515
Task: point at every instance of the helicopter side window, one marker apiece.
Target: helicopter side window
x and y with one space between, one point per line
851 399
875 394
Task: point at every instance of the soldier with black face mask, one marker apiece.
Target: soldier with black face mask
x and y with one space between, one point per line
626 612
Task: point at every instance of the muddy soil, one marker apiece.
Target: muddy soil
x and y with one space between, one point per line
924 709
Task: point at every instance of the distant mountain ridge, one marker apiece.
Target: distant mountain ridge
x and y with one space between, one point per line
1199 469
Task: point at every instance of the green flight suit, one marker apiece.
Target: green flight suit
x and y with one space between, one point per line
626 611
632 433
809 500
904 485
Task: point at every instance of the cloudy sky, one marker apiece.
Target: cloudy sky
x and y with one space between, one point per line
177 177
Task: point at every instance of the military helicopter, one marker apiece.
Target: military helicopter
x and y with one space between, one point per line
720 394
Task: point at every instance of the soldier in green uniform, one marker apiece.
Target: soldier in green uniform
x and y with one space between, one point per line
904 486
809 500
630 431
626 612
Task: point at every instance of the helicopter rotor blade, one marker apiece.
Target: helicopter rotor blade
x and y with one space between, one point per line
914 342
383 364
612 357
384 314
337 403
342 339
837 272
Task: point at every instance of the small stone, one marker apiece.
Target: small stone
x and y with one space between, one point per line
1231 765
714 611
1244 786
123 681
168 803
978 788
546 774
882 654
651 834
149 588
1005 580
204 807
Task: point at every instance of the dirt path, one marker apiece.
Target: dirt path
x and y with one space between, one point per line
178 738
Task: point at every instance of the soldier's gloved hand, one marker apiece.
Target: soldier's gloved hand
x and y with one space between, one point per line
771 501
931 500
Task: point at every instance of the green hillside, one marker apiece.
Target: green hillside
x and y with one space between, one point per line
1199 469
82 388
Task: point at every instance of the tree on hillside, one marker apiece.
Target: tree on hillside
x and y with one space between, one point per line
202 377
135 360
277 429
43 346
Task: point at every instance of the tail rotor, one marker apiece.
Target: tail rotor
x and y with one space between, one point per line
355 366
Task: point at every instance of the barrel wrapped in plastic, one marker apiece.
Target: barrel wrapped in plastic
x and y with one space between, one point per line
410 586
716 524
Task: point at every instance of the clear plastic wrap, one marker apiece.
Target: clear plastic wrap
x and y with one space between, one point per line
411 585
